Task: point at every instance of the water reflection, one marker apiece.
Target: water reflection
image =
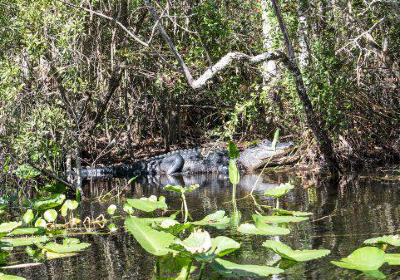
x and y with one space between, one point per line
346 212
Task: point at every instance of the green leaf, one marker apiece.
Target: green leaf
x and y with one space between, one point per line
292 213
363 259
392 259
23 241
41 223
71 204
233 151
26 171
279 219
28 216
277 192
276 137
296 255
198 242
27 231
153 241
148 204
217 219
50 215
234 175
64 210
48 202
112 227
65 248
8 227
262 230
132 179
222 246
230 269
128 209
10 277
111 209
393 240
180 189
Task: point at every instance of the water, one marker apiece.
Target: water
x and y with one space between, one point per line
346 212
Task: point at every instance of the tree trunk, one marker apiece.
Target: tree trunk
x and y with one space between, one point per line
321 137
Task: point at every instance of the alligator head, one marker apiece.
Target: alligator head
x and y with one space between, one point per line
256 156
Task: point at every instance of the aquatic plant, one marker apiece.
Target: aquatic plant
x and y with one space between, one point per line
182 191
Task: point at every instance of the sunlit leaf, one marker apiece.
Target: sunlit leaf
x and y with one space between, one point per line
112 227
111 209
148 204
48 202
26 171
263 230
198 242
234 175
8 227
292 213
393 240
128 209
363 259
296 255
50 215
23 241
392 259
217 219
279 191
180 189
10 277
28 216
153 241
41 223
233 151
230 269
27 231
279 219
65 248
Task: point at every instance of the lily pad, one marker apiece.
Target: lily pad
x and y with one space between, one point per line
392 259
217 219
153 241
296 255
262 230
363 259
65 248
292 213
148 204
279 219
230 269
279 191
393 240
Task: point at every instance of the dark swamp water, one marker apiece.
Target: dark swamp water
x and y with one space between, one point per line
345 214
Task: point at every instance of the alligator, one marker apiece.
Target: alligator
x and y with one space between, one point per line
194 161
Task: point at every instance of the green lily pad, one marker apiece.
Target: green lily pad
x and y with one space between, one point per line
392 259
292 213
393 240
65 248
230 269
296 255
363 259
217 219
262 230
279 219
153 241
279 191
148 204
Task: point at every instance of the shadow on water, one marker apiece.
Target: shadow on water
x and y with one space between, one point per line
346 212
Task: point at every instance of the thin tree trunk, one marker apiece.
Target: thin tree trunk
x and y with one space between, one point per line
321 137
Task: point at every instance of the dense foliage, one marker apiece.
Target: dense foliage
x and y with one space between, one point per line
75 87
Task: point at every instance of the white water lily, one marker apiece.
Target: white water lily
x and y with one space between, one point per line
198 242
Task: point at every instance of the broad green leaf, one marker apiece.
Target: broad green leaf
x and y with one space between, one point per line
48 202
262 230
23 241
234 175
180 189
153 241
296 255
27 231
8 227
292 213
198 242
10 277
217 219
279 219
52 256
26 171
28 216
392 259
393 240
65 248
50 215
41 223
363 259
55 188
148 204
111 209
279 191
230 269
233 151
71 204
222 245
